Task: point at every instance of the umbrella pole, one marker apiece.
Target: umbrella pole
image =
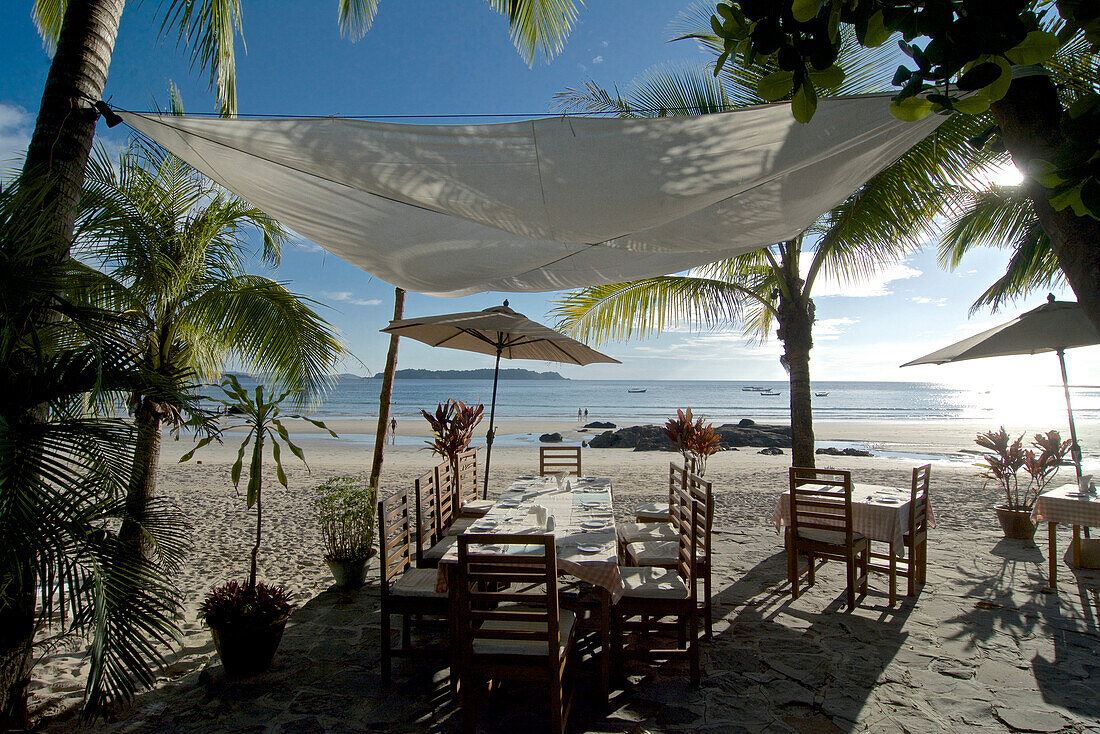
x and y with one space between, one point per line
1075 448
492 417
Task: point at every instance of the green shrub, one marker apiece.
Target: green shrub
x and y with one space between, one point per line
345 509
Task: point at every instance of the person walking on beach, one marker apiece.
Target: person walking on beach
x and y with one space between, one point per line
578 415
393 430
586 414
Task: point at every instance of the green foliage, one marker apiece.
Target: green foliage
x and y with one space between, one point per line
345 510
960 59
262 417
64 471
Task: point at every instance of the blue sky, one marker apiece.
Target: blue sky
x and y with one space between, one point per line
425 57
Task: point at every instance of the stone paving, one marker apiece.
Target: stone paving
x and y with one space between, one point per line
982 646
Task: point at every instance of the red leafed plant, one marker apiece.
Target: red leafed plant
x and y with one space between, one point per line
236 603
694 440
1008 456
453 425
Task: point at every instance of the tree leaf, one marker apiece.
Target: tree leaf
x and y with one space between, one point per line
1037 47
276 454
978 76
975 104
876 33
830 78
911 109
254 472
999 88
198 446
805 10
776 86
804 103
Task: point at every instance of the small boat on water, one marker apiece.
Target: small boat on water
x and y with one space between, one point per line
769 392
821 394
753 388
636 389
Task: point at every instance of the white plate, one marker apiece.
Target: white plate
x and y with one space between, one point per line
508 504
593 505
590 548
482 527
527 476
888 500
594 524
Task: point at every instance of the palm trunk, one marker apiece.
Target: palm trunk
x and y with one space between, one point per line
387 391
65 126
796 320
1029 117
143 477
17 623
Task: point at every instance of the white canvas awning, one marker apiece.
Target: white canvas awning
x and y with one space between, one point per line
545 204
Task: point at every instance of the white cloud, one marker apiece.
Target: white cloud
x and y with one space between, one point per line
830 329
603 43
926 300
306 245
877 284
598 60
349 297
15 134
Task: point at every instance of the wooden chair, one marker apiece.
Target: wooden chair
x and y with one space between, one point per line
447 502
406 590
821 527
915 563
658 512
652 595
664 552
509 623
466 483
432 543
553 459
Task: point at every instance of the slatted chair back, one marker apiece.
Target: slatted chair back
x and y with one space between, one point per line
508 602
554 459
821 499
428 530
676 475
466 481
395 532
445 495
918 500
702 491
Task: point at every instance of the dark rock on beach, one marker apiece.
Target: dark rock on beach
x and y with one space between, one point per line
653 438
746 422
771 451
550 438
599 424
843 452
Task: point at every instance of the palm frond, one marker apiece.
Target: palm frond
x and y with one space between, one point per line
209 29
356 16
48 16
537 26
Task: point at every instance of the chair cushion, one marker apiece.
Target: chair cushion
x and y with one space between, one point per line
632 532
652 512
476 508
418 582
532 648
460 525
831 537
440 549
648 582
658 553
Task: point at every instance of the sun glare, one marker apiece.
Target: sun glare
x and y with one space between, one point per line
1006 175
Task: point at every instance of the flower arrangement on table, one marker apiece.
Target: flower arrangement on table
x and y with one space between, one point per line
696 441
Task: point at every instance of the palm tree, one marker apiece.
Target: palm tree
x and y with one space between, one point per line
169 244
875 226
64 474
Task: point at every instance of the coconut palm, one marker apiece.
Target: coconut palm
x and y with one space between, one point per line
169 245
64 474
876 226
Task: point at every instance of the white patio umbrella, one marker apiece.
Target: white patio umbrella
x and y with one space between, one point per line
1053 327
500 331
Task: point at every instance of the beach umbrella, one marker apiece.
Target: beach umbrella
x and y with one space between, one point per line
502 332
1053 327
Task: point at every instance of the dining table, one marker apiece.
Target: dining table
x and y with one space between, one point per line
879 512
1065 504
578 512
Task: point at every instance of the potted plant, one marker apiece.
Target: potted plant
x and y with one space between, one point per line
695 440
1002 465
247 620
452 425
345 511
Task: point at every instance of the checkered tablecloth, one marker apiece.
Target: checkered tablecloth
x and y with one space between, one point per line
879 513
1069 505
584 527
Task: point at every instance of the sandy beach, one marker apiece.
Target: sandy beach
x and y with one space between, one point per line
982 645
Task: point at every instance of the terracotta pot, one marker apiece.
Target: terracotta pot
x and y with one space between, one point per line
247 649
1016 523
349 574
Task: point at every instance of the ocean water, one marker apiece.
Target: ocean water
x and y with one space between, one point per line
718 401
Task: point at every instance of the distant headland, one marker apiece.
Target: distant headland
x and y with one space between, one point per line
482 374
